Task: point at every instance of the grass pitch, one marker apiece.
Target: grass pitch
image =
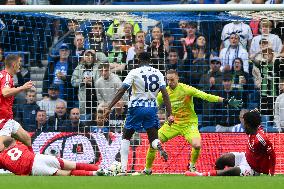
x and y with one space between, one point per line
141 182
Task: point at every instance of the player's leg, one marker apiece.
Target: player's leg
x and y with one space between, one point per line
124 148
72 165
192 136
14 129
165 133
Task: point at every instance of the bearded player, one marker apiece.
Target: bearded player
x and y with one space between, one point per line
258 158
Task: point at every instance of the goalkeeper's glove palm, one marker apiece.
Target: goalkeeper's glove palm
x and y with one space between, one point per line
234 102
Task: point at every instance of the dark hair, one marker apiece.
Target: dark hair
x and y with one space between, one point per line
144 57
173 50
252 118
104 66
242 62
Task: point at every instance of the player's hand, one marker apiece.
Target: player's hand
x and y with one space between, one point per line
171 119
106 113
28 85
235 103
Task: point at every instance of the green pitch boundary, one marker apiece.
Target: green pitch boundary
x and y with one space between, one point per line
141 182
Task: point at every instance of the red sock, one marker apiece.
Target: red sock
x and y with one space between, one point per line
82 173
210 173
31 149
86 167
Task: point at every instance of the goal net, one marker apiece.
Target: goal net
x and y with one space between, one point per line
82 57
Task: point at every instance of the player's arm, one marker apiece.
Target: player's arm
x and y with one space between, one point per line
213 98
272 157
7 91
167 103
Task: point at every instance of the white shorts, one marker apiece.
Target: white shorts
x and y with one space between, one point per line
45 165
10 127
241 162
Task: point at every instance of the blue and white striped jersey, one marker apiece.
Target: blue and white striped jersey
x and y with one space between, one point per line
145 83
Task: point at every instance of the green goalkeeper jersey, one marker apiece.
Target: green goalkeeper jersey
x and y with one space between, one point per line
182 102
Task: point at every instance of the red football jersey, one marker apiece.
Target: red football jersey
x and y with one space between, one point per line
17 159
260 153
6 104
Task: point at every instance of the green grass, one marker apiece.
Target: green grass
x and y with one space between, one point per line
145 182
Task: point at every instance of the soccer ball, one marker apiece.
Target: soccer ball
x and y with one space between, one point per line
53 151
115 168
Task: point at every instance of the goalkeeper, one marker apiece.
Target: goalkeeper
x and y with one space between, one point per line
185 118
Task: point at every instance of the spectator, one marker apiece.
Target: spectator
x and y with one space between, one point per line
227 118
188 41
84 77
128 37
117 117
107 84
239 28
210 82
117 57
239 2
41 122
59 72
269 68
2 59
139 39
100 124
279 108
234 50
198 56
48 103
26 113
78 48
74 124
241 79
97 38
240 127
117 27
265 30
58 122
133 63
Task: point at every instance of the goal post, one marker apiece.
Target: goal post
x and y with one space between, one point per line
39 34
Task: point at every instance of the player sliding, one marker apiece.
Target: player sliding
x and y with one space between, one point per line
258 158
145 83
9 126
18 159
186 120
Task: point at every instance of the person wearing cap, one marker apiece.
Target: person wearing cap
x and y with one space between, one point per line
49 102
226 117
59 71
265 27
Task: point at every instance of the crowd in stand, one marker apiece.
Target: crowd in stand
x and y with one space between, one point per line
86 67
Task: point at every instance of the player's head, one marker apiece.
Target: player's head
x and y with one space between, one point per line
13 63
252 121
144 58
172 78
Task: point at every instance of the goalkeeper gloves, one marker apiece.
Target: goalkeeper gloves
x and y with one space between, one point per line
233 102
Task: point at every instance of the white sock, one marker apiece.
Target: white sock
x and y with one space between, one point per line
155 143
124 149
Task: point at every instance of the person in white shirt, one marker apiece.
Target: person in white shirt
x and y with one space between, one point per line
243 30
234 50
265 29
240 2
279 108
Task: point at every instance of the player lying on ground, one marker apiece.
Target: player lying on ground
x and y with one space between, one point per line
258 158
186 120
145 83
18 159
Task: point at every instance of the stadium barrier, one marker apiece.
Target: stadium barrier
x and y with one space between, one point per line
102 149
